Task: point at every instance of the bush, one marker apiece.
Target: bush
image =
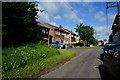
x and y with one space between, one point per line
24 55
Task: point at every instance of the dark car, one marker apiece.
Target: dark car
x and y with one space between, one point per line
107 47
86 44
111 59
57 45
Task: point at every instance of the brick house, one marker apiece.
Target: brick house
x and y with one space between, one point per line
62 35
44 32
73 37
51 33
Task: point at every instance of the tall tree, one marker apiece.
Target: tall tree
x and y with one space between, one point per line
85 32
19 22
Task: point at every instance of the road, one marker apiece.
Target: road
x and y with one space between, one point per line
85 65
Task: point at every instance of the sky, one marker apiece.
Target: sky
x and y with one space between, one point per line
69 13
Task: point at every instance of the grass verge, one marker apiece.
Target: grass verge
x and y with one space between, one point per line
26 61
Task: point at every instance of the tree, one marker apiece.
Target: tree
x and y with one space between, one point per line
93 41
85 32
19 22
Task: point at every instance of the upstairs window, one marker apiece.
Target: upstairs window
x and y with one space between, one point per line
57 32
63 33
44 31
67 35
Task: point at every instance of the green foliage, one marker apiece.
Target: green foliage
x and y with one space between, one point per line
19 57
19 23
85 32
100 41
26 61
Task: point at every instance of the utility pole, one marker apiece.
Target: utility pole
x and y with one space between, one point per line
114 4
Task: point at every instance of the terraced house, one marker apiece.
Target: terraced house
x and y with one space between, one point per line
57 34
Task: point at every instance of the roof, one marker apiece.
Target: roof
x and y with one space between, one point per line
63 29
50 25
74 34
41 25
47 25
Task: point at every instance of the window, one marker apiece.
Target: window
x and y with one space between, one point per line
58 32
67 35
63 33
72 36
66 41
44 31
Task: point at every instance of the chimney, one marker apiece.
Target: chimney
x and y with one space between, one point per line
60 26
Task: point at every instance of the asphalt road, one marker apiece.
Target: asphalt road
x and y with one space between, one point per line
85 65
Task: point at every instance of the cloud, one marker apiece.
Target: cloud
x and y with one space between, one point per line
57 17
44 17
72 16
111 18
102 32
100 16
52 9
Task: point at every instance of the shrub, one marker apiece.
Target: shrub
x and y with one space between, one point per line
24 55
79 44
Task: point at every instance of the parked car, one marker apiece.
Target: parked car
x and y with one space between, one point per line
111 59
57 45
79 44
86 44
107 47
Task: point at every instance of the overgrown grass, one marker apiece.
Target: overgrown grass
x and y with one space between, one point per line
85 47
26 61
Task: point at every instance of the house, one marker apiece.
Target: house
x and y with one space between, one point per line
63 36
44 32
115 35
51 33
77 39
105 41
57 34
73 37
99 43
